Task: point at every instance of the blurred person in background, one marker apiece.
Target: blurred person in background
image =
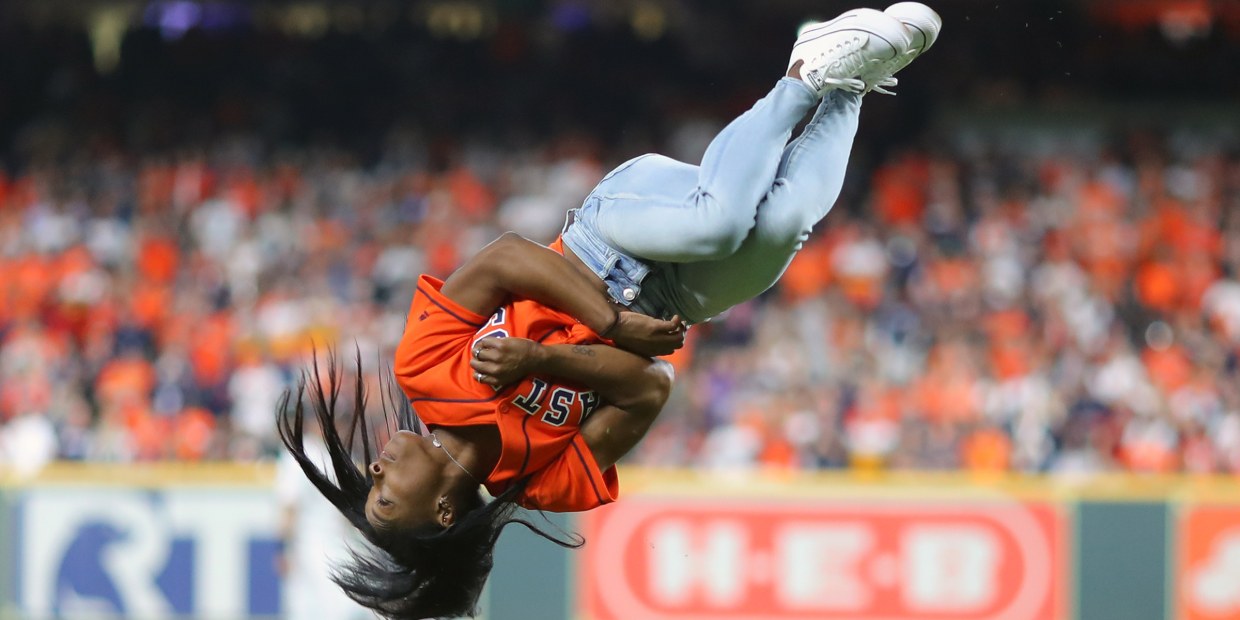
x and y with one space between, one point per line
314 535
27 444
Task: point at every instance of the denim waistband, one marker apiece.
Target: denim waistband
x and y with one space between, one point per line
631 282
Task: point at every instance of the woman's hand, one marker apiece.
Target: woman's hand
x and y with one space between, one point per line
498 362
648 336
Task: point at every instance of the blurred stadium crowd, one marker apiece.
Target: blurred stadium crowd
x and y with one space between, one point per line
984 304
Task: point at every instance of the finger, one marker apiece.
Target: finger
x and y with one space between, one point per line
667 325
645 321
675 339
670 347
487 354
490 350
486 368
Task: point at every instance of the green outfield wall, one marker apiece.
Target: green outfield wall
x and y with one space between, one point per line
199 542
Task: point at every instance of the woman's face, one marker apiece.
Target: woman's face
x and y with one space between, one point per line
408 485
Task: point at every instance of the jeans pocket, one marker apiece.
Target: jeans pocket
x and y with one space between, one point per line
624 279
621 273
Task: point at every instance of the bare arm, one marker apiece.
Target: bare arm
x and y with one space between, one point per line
634 388
611 432
624 379
628 381
512 265
515 266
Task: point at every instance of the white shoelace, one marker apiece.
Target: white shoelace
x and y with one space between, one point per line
886 69
882 85
849 62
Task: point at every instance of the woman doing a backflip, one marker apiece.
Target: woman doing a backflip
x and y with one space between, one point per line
528 367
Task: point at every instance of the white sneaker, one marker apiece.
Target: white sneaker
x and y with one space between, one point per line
837 53
923 26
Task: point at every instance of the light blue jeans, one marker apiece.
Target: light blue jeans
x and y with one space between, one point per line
671 238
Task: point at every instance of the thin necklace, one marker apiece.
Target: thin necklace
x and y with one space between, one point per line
435 442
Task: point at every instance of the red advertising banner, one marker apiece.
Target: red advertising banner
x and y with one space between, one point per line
665 559
1208 583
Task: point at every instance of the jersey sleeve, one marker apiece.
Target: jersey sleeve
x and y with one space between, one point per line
571 483
436 328
432 360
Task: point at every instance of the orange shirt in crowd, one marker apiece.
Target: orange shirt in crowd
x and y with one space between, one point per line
538 418
1158 286
1147 455
986 450
158 259
31 279
900 191
809 273
212 362
1169 368
124 378
149 304
192 432
947 390
472 197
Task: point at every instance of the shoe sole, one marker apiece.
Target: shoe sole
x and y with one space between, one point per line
919 17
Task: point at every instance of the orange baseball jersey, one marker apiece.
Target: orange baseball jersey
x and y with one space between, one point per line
538 419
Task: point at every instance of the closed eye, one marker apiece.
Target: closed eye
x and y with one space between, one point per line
380 523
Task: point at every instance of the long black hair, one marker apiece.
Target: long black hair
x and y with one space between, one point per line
411 573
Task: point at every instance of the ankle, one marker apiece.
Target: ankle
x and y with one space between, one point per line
795 70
